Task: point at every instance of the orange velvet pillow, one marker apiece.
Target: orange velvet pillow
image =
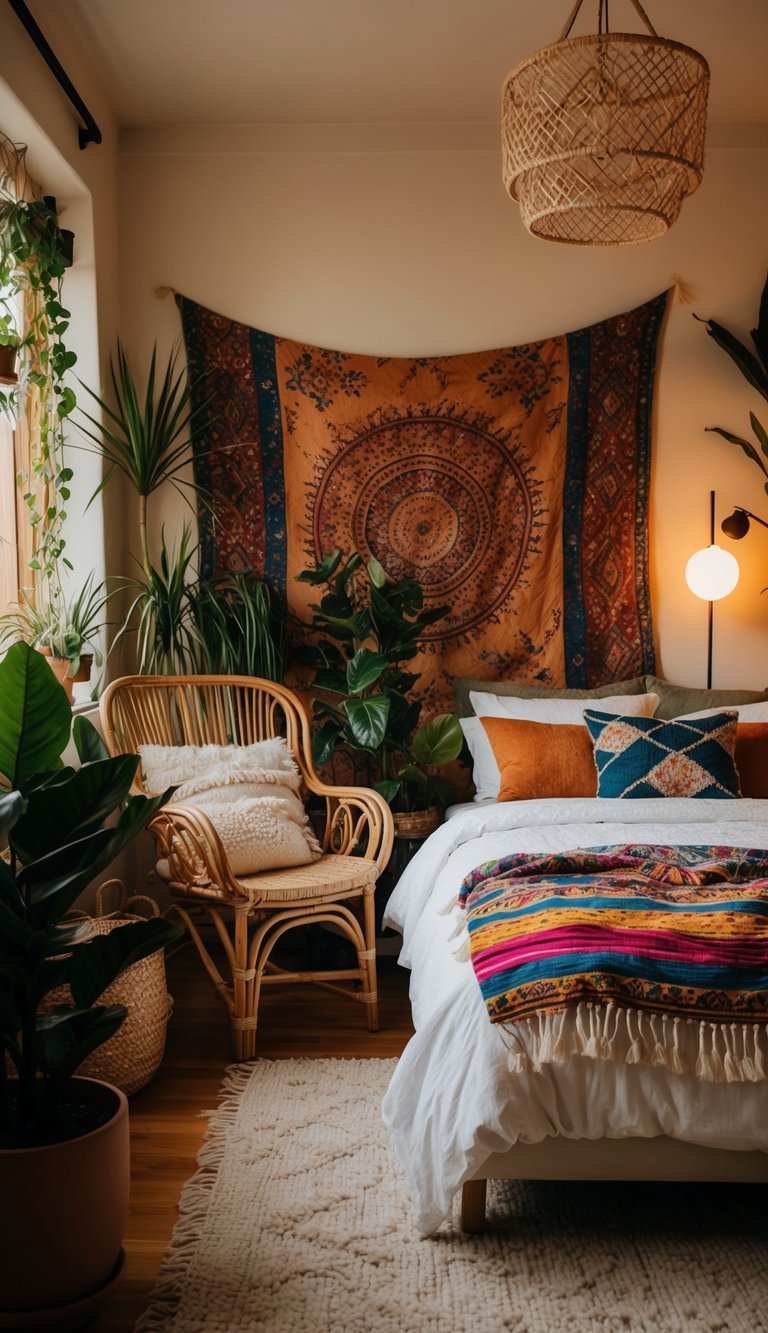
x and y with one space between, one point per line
541 759
751 758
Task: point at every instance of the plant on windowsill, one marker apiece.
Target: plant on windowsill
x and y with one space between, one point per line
229 624
63 1139
369 626
65 629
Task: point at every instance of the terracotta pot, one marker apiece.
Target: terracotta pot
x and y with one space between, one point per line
61 1225
8 365
60 666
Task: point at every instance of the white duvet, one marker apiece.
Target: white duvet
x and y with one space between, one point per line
453 1101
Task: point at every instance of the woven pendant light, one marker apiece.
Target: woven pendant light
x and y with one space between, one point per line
603 136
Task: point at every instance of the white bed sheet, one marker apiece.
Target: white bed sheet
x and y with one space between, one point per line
453 1101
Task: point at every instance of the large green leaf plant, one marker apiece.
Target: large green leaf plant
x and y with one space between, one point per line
753 365
368 626
60 827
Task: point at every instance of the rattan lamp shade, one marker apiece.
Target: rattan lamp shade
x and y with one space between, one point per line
603 137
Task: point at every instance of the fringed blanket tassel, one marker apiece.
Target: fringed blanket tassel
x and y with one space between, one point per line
714 1052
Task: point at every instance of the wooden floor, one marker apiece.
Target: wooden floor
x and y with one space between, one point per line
166 1123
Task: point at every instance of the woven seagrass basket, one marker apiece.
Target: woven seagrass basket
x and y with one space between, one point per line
133 1054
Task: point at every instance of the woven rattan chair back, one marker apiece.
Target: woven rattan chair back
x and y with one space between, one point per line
251 913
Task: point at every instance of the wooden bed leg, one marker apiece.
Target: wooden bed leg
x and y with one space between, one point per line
473 1207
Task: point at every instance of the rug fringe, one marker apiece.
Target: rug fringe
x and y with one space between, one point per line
724 1053
194 1202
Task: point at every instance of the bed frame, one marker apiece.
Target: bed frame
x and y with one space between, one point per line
558 1158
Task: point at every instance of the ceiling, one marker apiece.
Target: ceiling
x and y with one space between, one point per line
180 62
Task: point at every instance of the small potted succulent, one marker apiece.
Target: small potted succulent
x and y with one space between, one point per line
64 1163
64 629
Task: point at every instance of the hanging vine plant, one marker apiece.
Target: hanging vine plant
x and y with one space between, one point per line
34 320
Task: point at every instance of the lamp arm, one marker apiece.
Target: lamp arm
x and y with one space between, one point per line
749 514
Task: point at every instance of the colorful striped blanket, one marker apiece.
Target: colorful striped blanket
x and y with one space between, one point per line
607 952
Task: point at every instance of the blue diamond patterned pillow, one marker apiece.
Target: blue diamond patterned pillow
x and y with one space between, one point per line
646 756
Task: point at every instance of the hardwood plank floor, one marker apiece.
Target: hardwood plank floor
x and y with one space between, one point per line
167 1125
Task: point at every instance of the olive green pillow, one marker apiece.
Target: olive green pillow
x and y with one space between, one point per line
678 700
518 690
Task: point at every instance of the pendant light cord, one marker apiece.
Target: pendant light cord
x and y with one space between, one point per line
602 18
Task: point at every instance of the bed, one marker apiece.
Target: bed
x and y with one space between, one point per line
458 1114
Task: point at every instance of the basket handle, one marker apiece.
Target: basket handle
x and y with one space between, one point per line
602 18
123 902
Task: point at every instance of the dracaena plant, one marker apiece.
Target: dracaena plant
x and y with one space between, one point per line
753 364
60 827
368 626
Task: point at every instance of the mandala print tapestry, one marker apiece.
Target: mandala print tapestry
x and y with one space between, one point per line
512 484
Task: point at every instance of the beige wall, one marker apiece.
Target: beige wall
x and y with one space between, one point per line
374 247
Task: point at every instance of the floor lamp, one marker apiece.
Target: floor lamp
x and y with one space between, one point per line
711 574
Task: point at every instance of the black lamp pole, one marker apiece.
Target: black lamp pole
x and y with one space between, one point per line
710 613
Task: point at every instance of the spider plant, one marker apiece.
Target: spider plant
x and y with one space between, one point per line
161 611
239 626
65 625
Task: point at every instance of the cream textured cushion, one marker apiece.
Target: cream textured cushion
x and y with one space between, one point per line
250 793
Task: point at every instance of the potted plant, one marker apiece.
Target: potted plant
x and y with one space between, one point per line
63 1140
62 628
369 625
9 350
229 624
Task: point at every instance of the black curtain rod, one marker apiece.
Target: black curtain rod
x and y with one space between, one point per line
87 133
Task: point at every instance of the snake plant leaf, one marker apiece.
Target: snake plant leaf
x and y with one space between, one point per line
746 445
760 432
749 365
364 669
760 334
438 741
35 715
367 720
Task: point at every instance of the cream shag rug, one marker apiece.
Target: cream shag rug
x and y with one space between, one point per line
298 1221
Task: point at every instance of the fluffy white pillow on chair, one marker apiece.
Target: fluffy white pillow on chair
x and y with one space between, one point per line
250 793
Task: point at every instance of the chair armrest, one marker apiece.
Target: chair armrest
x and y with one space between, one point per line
356 816
194 851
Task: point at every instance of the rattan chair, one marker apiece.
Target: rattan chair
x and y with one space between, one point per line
250 913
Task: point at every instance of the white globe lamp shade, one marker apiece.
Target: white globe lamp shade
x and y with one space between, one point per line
712 573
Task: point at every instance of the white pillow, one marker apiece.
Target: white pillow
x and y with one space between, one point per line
747 712
485 770
560 710
251 794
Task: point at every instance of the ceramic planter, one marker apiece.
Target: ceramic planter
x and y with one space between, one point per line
8 364
61 1224
60 666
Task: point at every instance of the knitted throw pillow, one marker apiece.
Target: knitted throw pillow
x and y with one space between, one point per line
646 756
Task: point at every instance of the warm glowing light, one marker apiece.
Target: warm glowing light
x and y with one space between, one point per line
712 573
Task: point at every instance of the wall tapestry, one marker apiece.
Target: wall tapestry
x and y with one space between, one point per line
513 484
